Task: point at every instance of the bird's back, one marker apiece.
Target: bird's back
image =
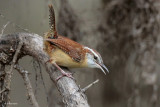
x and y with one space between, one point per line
68 46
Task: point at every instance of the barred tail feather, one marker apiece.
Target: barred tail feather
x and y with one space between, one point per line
52 22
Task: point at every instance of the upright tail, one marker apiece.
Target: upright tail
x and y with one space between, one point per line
52 23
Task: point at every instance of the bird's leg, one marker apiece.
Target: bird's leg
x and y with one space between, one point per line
50 60
63 73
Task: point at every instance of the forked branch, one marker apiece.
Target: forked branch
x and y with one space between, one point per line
33 46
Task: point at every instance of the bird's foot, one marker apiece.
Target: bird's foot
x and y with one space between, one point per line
65 74
49 61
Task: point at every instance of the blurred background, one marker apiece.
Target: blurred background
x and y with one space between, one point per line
125 33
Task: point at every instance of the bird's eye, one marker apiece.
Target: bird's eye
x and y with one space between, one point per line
95 57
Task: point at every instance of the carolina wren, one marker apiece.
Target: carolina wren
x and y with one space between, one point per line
68 53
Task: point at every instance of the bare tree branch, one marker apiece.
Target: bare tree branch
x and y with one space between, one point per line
10 72
2 91
33 46
28 85
90 85
37 66
14 24
4 28
3 97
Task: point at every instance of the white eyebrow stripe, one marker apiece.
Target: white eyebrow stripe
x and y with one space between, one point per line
92 51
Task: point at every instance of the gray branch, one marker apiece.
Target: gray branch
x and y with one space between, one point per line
10 72
33 46
28 85
89 86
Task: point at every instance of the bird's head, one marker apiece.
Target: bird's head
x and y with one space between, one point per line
94 60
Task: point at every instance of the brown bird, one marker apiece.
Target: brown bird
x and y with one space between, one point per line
68 53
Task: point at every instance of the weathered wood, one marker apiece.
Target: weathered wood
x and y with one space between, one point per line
33 46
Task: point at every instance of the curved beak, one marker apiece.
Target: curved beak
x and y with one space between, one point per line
103 68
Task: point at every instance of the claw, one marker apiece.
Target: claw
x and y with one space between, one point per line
65 74
49 61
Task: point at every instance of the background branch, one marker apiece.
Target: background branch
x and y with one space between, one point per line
4 28
28 85
10 72
3 96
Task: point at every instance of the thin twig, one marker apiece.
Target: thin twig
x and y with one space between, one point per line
14 24
10 72
90 85
2 71
28 85
2 91
4 27
3 96
36 77
45 89
36 65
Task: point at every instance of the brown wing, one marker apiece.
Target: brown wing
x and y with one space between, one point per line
72 48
